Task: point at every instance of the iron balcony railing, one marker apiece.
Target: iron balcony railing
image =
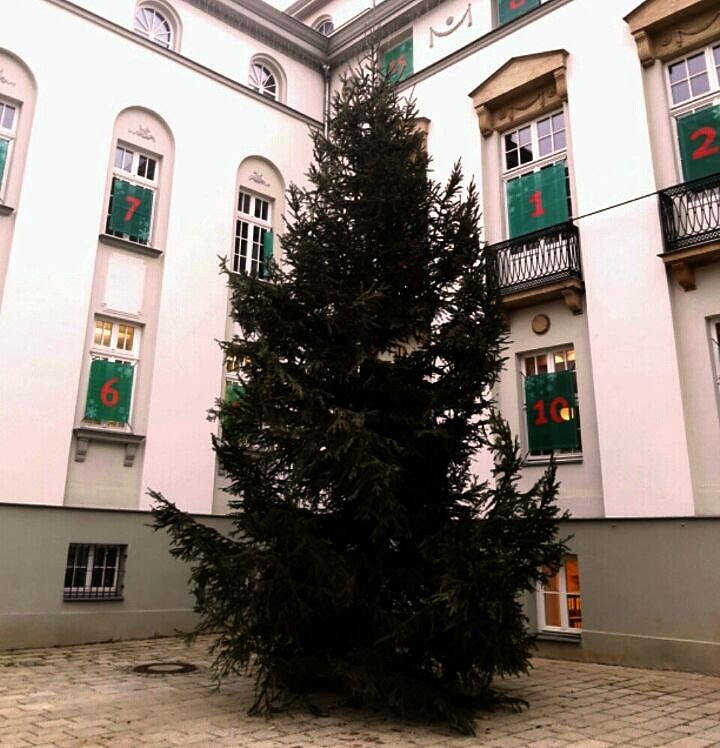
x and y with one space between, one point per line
690 213
538 259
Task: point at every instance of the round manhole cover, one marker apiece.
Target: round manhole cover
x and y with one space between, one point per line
165 668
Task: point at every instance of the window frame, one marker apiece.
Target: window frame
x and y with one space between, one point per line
692 104
251 265
162 13
112 353
537 163
563 596
273 70
8 134
87 592
533 457
322 22
133 177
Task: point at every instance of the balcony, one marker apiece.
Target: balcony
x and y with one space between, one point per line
690 217
539 267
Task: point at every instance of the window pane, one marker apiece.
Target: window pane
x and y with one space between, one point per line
542 364
700 84
553 582
545 146
680 92
530 366
126 334
678 71
524 136
511 159
543 127
696 64
8 116
574 612
103 330
572 574
151 169
552 609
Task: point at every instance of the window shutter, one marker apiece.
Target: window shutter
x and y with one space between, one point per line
3 157
699 139
508 10
267 253
537 200
398 61
130 210
109 391
552 419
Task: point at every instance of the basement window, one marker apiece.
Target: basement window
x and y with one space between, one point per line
94 571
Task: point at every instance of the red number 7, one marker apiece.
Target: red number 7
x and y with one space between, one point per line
134 205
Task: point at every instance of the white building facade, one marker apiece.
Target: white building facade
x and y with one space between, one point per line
151 138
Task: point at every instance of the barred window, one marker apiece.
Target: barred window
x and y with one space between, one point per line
94 572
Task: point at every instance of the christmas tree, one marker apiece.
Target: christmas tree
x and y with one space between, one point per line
365 555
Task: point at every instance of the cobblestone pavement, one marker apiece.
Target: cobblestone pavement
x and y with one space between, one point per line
90 696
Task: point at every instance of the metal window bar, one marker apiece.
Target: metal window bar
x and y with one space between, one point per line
690 213
537 259
94 572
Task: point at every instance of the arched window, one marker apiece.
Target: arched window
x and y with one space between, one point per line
263 80
324 25
156 25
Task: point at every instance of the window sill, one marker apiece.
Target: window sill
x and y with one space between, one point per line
6 210
116 241
568 637
559 460
86 434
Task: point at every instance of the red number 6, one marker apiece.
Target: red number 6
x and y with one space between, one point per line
109 396
705 149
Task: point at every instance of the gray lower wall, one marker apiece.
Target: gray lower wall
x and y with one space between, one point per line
33 553
650 588
650 593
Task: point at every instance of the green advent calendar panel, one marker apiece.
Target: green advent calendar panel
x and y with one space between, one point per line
510 9
109 391
398 61
234 393
131 210
699 139
551 413
267 253
537 200
3 157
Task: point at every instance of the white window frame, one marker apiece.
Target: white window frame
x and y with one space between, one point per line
149 34
561 455
259 85
694 103
714 341
251 263
112 353
133 177
8 134
87 591
556 156
324 25
564 596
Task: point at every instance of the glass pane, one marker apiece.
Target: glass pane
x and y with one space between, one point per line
511 159
572 574
716 55
553 582
526 155
545 146
552 609
119 156
511 142
559 360
524 136
530 366
103 330
126 334
678 71
151 169
696 64
560 141
558 121
543 127
680 92
574 612
8 117
542 364
700 84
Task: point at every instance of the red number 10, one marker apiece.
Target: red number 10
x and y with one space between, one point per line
705 149
557 405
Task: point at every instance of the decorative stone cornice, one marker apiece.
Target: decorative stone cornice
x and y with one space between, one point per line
664 29
524 88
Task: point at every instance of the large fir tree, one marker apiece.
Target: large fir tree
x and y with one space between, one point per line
365 556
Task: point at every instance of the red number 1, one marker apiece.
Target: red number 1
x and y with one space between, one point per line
515 4
536 200
705 149
541 419
134 205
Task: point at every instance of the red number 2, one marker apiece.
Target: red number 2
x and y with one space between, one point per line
109 396
705 149
134 205
536 200
515 4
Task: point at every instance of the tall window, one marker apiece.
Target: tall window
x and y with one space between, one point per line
114 355
132 195
694 94
8 124
153 25
263 80
536 178
253 247
559 604
551 403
